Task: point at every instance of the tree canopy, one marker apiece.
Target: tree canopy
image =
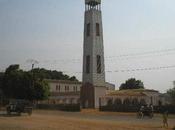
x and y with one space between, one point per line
1 80
171 92
132 83
49 74
30 85
19 84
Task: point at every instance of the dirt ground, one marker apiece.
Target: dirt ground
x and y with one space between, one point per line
85 120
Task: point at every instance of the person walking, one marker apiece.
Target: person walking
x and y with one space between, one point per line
165 119
141 111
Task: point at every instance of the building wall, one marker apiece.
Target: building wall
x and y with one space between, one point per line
99 92
110 87
70 93
64 92
64 87
153 98
104 100
149 98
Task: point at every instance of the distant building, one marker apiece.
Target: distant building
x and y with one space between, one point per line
67 92
166 98
135 96
110 87
64 92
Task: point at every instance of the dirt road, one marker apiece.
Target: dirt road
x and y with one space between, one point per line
85 120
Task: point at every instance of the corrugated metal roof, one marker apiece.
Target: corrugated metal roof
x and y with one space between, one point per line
131 92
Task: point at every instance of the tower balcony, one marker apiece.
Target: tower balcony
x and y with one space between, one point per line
93 2
92 5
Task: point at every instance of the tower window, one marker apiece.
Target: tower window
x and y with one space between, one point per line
88 29
88 64
98 64
97 29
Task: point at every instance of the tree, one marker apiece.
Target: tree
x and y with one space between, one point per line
42 90
171 92
11 81
49 74
132 83
30 85
1 79
19 84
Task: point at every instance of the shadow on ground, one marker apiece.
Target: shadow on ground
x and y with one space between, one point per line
4 114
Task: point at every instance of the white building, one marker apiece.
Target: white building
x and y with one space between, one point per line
133 97
67 92
64 92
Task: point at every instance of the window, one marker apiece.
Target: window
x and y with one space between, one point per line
88 64
88 29
75 88
97 29
66 88
98 64
58 88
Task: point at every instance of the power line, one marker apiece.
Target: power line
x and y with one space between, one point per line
133 70
147 69
126 56
144 53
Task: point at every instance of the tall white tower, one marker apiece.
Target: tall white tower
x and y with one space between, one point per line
93 56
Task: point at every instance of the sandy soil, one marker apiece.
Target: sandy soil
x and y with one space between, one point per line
85 120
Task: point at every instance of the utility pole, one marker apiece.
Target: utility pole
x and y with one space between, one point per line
33 62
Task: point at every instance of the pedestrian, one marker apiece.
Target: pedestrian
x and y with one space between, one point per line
152 110
141 111
165 119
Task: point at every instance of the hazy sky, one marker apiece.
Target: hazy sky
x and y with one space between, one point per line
138 35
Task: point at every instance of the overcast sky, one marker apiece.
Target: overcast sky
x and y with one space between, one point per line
139 38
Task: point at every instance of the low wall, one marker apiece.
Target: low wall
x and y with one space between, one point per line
132 108
62 107
120 108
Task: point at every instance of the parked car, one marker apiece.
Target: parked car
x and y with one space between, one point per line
19 106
